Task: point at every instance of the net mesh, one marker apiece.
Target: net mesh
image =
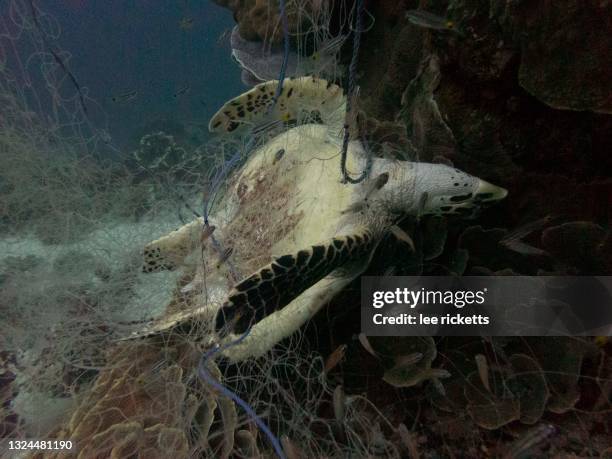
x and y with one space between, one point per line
72 230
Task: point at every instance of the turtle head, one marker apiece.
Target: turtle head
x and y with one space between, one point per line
424 188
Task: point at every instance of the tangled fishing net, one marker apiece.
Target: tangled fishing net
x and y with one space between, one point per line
72 231
73 227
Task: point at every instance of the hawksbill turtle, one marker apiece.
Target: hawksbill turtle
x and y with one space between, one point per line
292 233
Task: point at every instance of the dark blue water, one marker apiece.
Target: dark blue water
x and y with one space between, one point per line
121 46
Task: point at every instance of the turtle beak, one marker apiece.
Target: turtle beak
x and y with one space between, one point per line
487 192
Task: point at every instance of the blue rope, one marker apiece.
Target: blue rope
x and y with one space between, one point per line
207 377
279 89
227 166
351 92
283 70
217 180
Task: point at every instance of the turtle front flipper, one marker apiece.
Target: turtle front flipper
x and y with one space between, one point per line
302 99
169 252
278 283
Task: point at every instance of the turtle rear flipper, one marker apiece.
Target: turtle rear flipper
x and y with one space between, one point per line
278 283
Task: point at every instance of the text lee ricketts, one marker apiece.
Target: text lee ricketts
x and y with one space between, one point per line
486 305
413 298
421 319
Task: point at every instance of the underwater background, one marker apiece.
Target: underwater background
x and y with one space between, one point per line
105 146
169 61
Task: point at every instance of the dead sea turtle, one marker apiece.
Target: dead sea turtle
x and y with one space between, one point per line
295 230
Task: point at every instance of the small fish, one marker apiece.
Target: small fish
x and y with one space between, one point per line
439 386
333 45
376 184
182 90
186 23
278 155
483 370
145 378
355 208
158 366
363 339
439 159
528 228
422 204
268 127
224 37
513 240
231 325
339 402
401 235
125 97
207 232
329 48
408 360
523 248
430 21
409 440
335 358
224 256
104 136
533 438
290 449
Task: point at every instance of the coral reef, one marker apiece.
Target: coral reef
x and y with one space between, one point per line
565 51
260 62
133 409
158 151
460 97
9 420
258 20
